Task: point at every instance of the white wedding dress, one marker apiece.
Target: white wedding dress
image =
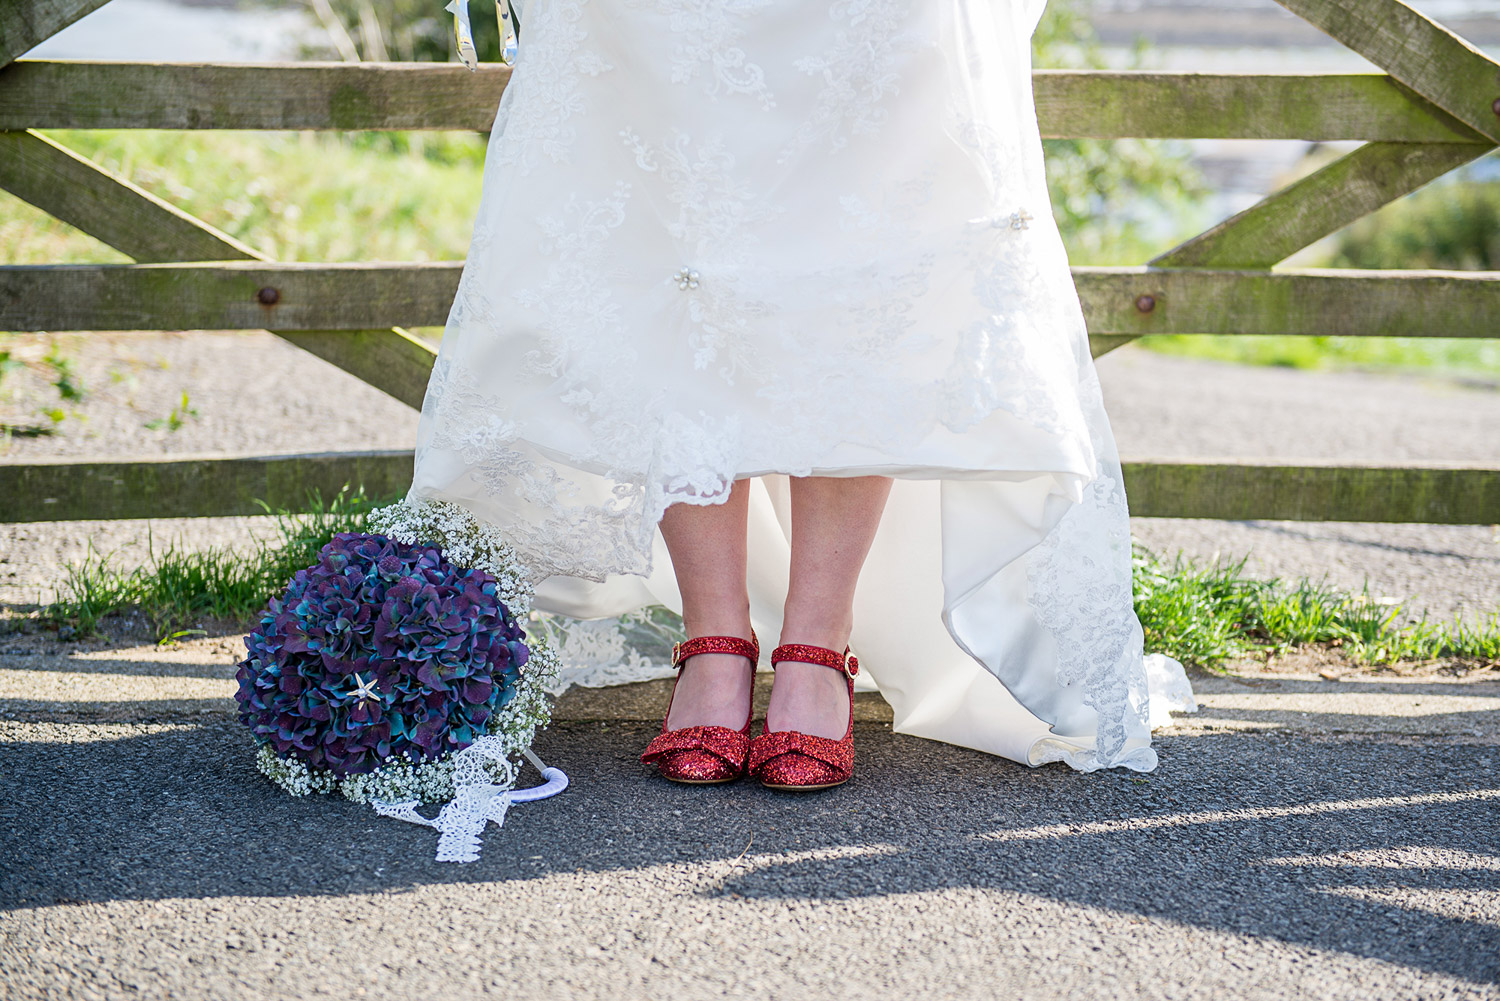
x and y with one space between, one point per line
762 238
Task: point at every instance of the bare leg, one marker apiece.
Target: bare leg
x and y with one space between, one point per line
833 524
707 543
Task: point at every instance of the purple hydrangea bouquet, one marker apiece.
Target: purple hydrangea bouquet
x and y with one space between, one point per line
395 671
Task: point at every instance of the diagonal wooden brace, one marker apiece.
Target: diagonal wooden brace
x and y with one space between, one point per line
1417 51
1307 210
1324 202
137 223
25 24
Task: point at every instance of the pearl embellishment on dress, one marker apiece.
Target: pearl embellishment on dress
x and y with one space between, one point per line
686 278
1019 219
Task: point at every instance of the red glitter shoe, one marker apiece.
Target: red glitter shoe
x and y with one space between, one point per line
801 762
704 755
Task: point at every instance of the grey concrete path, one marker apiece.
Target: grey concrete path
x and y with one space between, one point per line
1185 409
1301 838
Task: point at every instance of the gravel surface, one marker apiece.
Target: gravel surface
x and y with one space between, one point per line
253 392
283 400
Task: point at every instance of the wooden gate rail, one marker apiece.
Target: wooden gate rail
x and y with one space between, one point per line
290 298
191 486
181 487
1071 104
1435 107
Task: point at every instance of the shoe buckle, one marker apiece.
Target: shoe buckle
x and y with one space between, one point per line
676 654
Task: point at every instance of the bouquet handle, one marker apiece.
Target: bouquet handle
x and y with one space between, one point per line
556 780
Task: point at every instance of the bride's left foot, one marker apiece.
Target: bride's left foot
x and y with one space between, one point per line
809 698
807 743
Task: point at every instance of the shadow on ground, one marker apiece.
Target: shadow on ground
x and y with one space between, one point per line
1272 835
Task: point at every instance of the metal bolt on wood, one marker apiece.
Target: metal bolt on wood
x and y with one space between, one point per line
1145 303
268 296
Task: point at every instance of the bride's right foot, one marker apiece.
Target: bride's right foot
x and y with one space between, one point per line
712 690
706 733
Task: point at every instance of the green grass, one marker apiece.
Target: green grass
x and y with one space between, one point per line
1205 615
1437 355
177 588
297 196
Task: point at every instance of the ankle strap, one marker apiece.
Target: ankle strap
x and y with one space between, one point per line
819 655
716 644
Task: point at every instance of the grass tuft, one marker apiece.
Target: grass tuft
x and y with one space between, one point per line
1206 615
1195 614
1202 614
178 588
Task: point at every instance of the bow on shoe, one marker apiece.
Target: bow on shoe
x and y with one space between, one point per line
834 753
720 741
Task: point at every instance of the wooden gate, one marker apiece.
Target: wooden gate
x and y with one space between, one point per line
1436 107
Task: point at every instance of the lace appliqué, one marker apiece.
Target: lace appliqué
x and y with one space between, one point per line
575 302
1079 587
546 82
596 653
464 418
716 211
1007 339
561 527
858 69
650 455
878 323
708 31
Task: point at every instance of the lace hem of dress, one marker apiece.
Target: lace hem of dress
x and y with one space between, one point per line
1168 691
